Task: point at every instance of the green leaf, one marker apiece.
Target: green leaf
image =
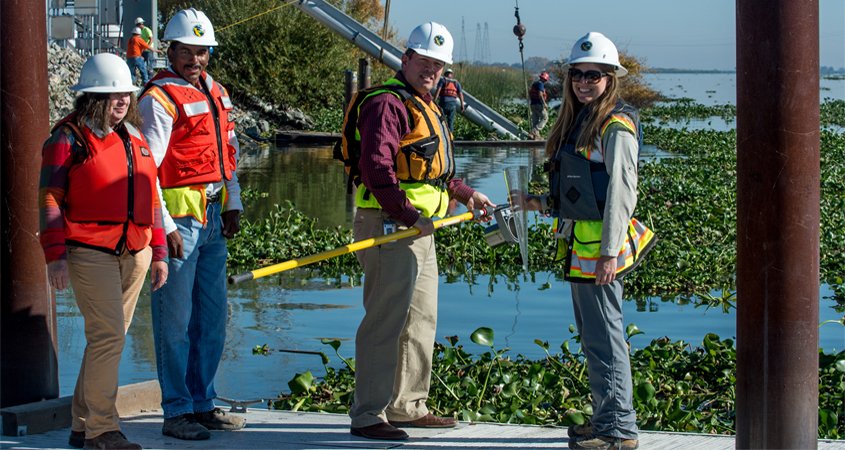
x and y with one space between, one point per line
632 330
301 383
644 391
483 336
334 343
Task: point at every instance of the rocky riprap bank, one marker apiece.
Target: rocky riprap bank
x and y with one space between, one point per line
64 65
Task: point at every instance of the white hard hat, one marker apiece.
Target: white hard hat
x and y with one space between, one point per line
139 20
105 73
191 27
595 47
433 40
136 30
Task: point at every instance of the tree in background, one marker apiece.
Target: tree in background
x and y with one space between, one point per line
634 89
283 57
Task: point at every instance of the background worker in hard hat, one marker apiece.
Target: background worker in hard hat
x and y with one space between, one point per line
450 97
135 47
100 229
539 108
191 135
147 36
407 170
593 149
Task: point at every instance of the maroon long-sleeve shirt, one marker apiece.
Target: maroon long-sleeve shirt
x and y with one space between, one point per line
382 123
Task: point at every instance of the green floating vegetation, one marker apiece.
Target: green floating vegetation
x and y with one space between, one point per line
677 387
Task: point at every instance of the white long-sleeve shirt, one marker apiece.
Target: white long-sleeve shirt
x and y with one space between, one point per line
157 128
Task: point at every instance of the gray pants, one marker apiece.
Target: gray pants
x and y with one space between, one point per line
598 316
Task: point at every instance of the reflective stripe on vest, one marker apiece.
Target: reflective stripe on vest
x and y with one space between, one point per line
583 249
425 161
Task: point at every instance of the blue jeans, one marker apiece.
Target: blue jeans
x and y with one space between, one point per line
450 106
189 317
138 63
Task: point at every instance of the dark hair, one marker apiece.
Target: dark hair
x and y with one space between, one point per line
94 108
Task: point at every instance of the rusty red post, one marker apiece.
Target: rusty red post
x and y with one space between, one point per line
27 333
777 223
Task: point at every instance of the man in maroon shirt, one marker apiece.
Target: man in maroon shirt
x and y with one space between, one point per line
407 169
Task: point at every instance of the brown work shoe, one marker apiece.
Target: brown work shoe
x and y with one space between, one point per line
184 427
604 443
580 431
111 440
76 439
381 430
427 421
217 419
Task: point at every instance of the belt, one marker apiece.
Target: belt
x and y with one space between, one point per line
213 198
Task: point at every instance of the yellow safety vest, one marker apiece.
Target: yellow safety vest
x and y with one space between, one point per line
581 250
425 162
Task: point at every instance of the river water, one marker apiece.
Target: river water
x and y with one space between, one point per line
262 312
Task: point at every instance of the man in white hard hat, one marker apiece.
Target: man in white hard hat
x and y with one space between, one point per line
187 123
147 36
406 178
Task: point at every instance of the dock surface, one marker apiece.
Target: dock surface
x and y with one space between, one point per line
271 429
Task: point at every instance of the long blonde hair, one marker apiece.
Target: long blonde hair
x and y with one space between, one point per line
569 108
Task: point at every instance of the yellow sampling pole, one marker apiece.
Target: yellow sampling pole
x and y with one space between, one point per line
353 247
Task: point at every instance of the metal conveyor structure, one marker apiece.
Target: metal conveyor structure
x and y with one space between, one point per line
387 54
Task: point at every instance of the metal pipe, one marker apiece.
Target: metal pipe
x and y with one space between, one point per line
387 54
28 361
364 74
777 223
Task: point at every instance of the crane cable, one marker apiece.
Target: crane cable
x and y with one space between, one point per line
288 3
519 31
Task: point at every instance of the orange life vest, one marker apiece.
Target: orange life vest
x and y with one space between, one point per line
199 151
110 190
449 89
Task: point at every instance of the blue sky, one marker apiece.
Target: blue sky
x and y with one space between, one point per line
685 34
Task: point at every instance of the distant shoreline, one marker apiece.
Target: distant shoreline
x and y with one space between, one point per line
670 70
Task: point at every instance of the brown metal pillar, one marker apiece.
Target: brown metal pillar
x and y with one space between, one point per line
777 223
28 367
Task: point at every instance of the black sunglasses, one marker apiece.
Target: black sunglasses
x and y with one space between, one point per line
589 77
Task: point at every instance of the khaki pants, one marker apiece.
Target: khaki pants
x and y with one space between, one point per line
395 341
106 289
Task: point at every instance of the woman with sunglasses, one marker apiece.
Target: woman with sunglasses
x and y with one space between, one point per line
593 149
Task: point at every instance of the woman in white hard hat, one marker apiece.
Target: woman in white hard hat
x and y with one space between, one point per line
100 229
593 149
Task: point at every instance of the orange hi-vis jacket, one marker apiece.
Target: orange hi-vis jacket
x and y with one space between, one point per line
111 192
199 151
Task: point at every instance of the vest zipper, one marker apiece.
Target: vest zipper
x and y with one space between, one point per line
130 192
216 114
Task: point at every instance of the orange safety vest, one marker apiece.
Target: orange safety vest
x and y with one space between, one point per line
449 89
110 190
199 151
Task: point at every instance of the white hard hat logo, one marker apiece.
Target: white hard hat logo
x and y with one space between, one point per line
439 40
586 45
198 31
